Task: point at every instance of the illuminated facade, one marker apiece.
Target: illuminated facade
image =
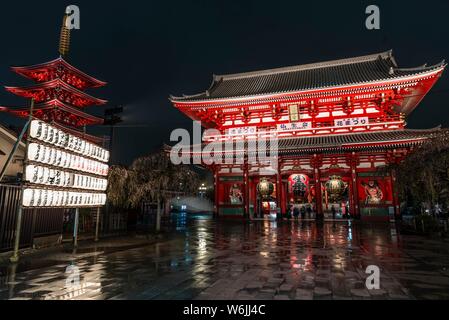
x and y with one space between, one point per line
336 123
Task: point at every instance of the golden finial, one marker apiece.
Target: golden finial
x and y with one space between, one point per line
64 39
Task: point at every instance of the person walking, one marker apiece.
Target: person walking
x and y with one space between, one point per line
295 212
333 212
309 211
303 213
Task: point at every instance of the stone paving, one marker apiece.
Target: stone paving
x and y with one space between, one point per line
232 260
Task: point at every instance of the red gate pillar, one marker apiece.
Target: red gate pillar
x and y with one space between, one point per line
319 196
316 164
246 190
355 194
352 160
279 189
396 203
283 199
216 187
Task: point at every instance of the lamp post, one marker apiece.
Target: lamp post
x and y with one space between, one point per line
111 118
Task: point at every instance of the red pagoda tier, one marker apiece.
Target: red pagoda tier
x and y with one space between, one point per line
60 112
337 125
58 95
59 69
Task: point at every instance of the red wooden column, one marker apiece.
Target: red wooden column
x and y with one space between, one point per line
254 196
316 165
246 190
396 203
352 200
283 198
352 160
216 190
355 193
279 188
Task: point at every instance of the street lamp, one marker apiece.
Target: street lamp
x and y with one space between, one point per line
112 118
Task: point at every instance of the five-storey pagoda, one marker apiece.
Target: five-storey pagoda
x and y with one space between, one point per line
59 93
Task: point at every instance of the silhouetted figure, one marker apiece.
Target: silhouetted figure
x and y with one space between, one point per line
333 212
303 212
309 212
290 211
295 212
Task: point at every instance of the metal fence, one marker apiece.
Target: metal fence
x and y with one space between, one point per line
35 222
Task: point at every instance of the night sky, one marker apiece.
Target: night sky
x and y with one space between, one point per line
147 50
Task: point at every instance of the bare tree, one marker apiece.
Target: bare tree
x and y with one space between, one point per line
424 176
154 178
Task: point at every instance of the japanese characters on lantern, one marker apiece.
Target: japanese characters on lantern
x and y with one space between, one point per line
48 155
63 170
56 198
298 184
60 178
46 133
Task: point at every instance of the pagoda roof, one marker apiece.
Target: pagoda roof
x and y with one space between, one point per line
344 72
45 72
366 141
56 104
38 92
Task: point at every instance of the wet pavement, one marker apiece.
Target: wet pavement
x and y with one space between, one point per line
205 259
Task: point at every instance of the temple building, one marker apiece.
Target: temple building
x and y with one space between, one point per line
337 125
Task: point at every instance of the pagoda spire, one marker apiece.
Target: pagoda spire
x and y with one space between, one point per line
64 38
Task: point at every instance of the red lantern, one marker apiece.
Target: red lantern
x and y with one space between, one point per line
298 184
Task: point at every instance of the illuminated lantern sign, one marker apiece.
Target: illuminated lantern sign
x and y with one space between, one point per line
46 133
64 170
59 178
56 198
52 156
265 188
242 131
298 184
294 126
351 122
335 187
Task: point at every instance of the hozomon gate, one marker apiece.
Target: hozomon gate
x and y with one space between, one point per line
336 124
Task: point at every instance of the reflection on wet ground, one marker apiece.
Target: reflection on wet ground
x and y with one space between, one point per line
205 259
